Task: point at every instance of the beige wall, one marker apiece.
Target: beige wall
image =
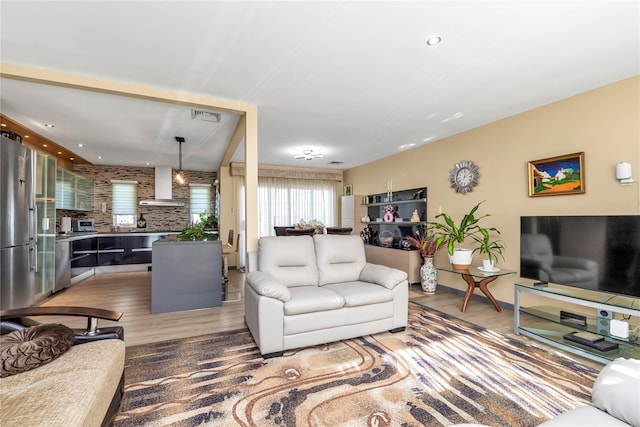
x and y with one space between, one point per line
603 123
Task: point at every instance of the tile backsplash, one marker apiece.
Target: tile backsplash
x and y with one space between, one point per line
159 218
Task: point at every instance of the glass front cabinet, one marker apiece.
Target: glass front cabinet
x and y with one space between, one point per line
45 191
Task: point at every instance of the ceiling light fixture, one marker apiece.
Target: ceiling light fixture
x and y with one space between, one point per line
406 146
434 40
308 154
180 178
48 125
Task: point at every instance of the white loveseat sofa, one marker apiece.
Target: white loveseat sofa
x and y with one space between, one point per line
313 290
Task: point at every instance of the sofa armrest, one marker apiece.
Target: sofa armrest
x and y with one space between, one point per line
92 314
382 275
617 390
266 285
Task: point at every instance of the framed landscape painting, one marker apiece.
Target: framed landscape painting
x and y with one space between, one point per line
557 175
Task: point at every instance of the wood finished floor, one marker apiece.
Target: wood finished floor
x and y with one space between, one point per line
130 293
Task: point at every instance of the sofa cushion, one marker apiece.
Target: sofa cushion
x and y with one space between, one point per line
341 258
361 293
617 390
291 260
29 348
307 299
74 390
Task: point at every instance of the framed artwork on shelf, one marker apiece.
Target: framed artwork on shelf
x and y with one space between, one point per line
348 190
556 176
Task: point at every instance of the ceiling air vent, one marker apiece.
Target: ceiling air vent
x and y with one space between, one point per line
205 116
335 162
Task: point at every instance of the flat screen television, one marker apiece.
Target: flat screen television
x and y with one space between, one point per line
591 252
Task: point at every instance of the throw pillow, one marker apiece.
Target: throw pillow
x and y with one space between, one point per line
29 348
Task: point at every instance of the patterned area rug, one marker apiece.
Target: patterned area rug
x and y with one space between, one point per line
440 371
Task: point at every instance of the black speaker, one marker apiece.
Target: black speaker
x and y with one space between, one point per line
604 314
604 322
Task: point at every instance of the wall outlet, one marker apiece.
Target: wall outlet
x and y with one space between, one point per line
619 329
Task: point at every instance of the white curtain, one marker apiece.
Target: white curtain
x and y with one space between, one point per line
285 201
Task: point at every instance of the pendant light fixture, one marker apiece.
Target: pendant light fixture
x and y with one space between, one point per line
180 177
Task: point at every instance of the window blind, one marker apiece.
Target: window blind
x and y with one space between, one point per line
124 197
200 197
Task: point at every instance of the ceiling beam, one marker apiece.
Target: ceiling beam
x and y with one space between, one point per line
235 141
94 84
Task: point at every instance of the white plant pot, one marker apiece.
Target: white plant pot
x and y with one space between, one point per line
461 258
488 265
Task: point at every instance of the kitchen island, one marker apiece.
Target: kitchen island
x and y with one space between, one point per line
186 275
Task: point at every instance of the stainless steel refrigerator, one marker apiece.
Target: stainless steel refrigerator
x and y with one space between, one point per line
17 225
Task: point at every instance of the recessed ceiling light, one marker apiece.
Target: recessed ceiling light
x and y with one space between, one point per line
49 125
147 163
44 145
434 40
99 157
452 117
59 152
81 145
26 136
71 158
406 146
4 125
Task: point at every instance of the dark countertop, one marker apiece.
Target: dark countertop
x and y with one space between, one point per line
91 234
173 240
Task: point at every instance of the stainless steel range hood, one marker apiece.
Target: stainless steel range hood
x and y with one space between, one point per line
163 190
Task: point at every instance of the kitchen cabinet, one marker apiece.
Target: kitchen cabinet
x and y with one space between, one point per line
111 250
63 265
73 191
139 248
45 199
84 255
122 250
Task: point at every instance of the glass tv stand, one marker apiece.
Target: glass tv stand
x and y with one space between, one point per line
562 310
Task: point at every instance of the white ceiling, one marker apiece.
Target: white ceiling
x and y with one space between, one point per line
354 80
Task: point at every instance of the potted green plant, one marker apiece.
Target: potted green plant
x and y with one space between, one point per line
197 230
456 234
491 248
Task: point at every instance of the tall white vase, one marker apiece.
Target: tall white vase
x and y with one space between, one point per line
428 276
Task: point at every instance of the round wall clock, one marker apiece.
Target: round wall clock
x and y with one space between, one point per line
464 176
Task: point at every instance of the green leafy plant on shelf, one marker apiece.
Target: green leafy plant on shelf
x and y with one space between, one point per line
198 230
